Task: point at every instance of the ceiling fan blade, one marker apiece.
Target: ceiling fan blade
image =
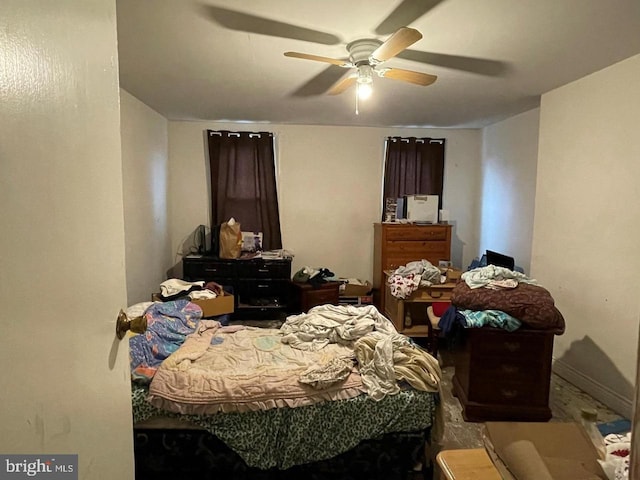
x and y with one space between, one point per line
396 43
342 85
317 58
244 22
405 14
320 83
410 76
480 66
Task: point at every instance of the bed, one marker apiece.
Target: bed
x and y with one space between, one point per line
335 392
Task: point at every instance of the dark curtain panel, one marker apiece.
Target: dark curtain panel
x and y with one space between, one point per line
243 183
414 166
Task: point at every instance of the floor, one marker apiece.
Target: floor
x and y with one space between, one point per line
565 401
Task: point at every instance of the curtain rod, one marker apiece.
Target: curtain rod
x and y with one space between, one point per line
220 133
418 140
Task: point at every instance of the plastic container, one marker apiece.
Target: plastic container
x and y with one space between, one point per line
588 418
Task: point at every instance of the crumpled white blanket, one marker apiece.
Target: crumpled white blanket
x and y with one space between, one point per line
384 356
326 324
502 284
385 359
483 276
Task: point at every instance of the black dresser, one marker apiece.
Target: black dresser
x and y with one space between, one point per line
261 287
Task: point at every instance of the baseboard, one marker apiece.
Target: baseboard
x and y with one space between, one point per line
617 403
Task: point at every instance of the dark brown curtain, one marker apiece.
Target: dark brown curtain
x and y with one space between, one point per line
413 166
243 183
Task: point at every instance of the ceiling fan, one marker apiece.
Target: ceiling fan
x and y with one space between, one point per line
365 58
405 13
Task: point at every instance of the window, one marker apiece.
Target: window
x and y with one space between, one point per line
243 183
413 166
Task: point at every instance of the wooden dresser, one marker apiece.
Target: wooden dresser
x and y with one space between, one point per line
396 244
503 376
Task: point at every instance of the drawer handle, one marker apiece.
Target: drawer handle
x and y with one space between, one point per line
263 270
211 270
510 369
262 286
512 346
509 393
436 294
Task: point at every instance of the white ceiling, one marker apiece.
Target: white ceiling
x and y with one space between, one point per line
203 60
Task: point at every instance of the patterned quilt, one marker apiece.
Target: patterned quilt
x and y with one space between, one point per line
221 369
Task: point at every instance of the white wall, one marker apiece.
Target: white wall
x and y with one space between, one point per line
145 181
329 183
65 382
587 225
507 196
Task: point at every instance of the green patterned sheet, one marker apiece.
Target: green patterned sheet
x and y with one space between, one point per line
284 437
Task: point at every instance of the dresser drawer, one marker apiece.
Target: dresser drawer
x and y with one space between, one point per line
512 370
204 269
265 269
510 345
416 233
507 392
433 293
260 288
417 249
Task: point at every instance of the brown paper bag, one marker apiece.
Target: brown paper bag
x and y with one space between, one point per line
230 239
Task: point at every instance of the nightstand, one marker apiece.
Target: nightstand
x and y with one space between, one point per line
305 295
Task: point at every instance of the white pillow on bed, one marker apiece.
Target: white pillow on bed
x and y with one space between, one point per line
138 309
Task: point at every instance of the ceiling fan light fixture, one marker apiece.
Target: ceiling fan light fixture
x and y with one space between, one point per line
364 82
364 90
365 74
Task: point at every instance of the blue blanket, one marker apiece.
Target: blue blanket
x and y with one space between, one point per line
168 324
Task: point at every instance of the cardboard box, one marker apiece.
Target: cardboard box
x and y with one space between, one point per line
353 289
532 450
211 307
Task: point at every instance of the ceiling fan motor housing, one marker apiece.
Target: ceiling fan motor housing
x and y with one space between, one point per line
361 50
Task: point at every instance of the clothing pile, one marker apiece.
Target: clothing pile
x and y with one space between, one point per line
384 357
407 279
175 288
314 276
498 297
